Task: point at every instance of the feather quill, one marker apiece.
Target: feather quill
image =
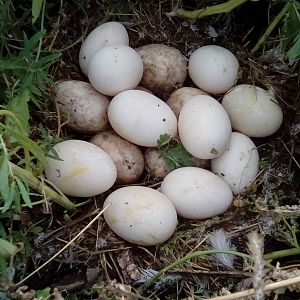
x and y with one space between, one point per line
220 240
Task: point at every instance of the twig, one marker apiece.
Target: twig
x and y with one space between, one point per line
291 154
267 288
65 247
211 10
271 27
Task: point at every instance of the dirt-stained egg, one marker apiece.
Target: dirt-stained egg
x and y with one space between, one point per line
197 193
253 110
127 157
204 127
178 98
164 68
141 118
84 108
80 169
109 33
140 215
114 69
237 166
213 69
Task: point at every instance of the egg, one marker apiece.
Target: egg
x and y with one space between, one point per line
127 157
84 108
197 193
156 164
114 69
141 118
204 127
253 110
164 67
213 69
82 169
140 215
110 33
237 166
178 98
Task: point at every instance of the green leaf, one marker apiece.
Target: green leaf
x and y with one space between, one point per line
294 53
163 139
7 249
24 192
177 157
19 106
36 9
2 230
36 229
4 177
43 294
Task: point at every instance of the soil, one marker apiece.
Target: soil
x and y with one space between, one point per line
99 264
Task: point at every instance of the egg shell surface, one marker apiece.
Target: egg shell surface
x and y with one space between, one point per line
178 98
109 33
164 67
253 110
204 127
141 118
83 170
197 193
127 157
83 106
213 69
114 69
237 166
140 215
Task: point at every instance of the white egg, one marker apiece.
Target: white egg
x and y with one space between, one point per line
83 169
197 193
237 166
114 69
84 108
140 215
141 118
110 33
204 127
213 69
253 110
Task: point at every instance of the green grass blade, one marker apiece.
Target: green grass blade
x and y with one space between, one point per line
294 53
36 9
4 177
10 197
7 249
24 192
19 106
28 144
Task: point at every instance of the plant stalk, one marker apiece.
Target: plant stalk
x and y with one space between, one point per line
225 7
36 184
188 257
281 253
271 27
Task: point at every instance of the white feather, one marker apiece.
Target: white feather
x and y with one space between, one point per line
220 240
